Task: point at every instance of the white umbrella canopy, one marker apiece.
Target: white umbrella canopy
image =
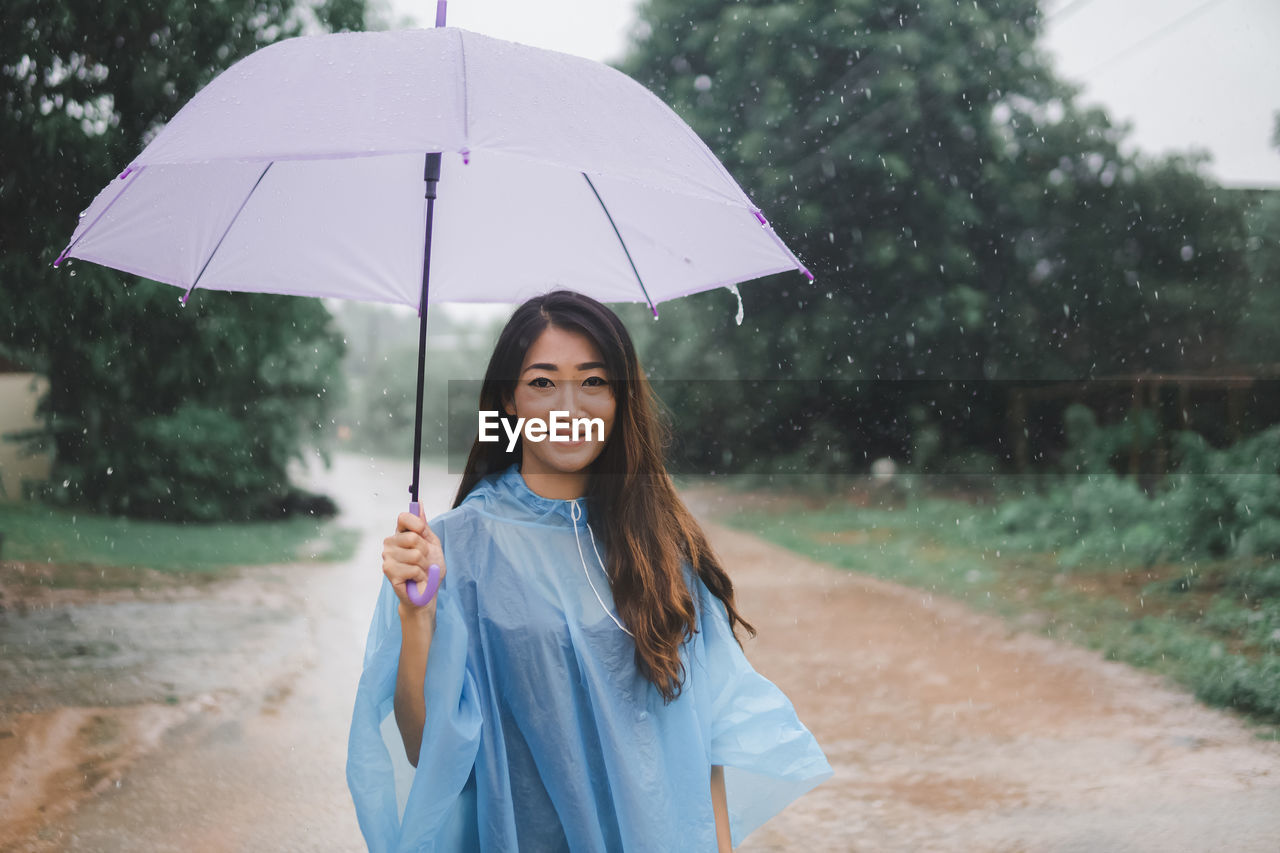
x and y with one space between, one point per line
311 168
299 170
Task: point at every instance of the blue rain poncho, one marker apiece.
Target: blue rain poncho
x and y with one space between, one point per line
540 733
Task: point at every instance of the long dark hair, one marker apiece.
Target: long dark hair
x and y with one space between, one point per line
647 530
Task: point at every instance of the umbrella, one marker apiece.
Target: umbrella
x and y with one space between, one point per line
312 166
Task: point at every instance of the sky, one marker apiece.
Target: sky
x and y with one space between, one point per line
1186 74
596 29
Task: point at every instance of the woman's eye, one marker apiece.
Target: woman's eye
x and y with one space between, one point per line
595 381
541 382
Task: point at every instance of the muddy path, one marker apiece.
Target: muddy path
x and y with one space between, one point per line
220 721
197 719
950 730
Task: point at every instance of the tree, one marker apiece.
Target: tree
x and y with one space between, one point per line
966 219
153 410
1257 343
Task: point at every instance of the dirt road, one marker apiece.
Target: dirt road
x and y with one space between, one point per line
946 730
950 732
218 718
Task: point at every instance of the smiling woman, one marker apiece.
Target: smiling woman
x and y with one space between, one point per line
563 371
576 683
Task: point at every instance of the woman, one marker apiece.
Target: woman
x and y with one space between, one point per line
576 683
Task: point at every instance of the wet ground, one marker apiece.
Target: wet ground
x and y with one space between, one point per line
210 719
950 731
216 719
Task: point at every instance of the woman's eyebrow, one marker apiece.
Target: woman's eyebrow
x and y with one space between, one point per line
586 365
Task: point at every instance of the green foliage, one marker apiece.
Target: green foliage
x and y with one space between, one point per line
1083 519
1246 685
1256 342
1228 653
152 410
70 545
1250 684
964 215
1094 449
1217 503
1228 501
1263 583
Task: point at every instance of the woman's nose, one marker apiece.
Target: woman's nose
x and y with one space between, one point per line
569 402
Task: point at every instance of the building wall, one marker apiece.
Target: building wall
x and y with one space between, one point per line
19 393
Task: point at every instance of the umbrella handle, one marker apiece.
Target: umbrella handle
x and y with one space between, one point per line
433 577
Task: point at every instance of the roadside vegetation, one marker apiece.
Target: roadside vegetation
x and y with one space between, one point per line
1184 581
54 547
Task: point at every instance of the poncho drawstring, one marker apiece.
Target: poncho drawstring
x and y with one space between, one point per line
576 512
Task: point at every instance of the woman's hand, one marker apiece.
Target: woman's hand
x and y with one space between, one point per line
406 556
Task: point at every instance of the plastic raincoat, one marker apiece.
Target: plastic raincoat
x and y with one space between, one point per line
540 732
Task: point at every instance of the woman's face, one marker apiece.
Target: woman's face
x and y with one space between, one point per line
563 371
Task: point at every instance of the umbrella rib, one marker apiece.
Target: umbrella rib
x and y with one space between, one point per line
76 241
623 243
466 104
218 246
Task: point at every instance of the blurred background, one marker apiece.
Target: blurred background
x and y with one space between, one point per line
1037 372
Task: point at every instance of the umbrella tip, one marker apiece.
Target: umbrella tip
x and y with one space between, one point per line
760 216
128 171
807 274
440 12
654 309
61 257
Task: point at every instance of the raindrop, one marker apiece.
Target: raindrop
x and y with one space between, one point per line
733 288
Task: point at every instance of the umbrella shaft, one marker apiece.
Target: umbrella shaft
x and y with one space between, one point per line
431 176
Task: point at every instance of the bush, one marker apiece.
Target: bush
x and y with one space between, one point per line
1227 502
1091 448
197 414
1236 682
1218 503
1263 583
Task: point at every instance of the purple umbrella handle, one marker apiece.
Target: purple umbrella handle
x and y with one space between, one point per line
433 583
433 577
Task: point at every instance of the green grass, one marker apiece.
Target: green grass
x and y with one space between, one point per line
1210 625
36 534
